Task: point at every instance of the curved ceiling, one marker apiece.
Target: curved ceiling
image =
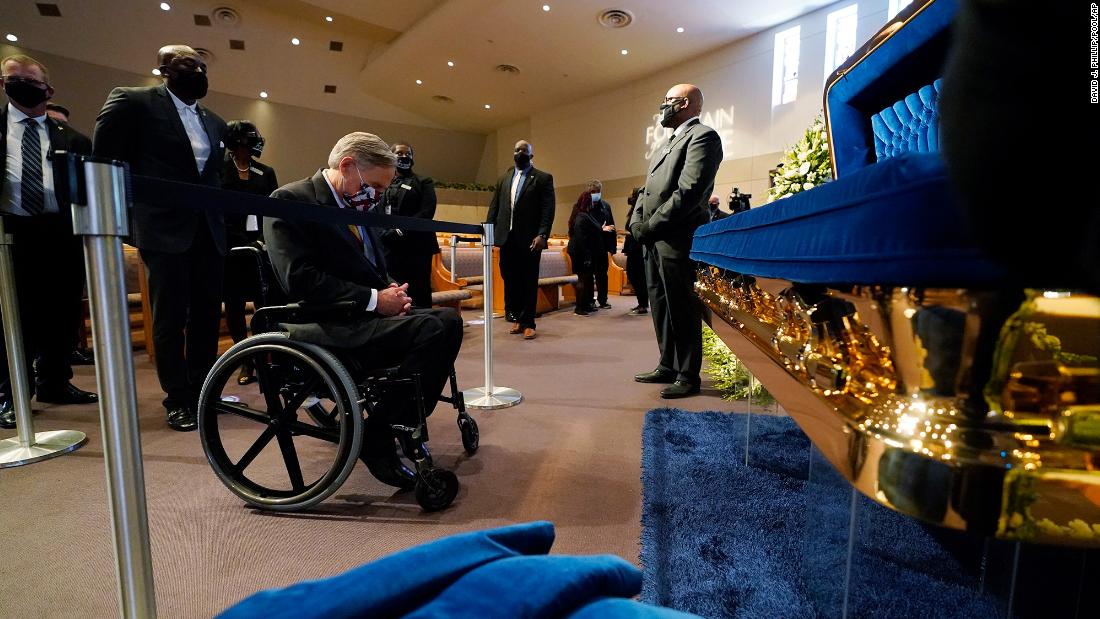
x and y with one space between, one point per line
373 51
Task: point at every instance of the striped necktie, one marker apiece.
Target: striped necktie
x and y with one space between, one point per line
33 193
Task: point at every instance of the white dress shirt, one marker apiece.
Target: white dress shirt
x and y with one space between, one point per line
196 132
12 197
517 185
373 303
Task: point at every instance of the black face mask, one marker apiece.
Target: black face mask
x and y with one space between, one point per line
522 160
404 163
25 94
190 85
256 146
668 112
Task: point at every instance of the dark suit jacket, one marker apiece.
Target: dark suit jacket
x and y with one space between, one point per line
142 127
410 196
62 138
534 210
321 263
678 187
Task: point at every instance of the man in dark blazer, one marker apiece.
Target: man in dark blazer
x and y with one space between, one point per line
326 263
48 259
161 131
670 208
522 212
409 254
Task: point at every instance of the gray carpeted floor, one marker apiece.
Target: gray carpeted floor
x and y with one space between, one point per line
569 454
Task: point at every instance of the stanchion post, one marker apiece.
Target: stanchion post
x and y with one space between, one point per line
27 446
490 396
454 257
103 223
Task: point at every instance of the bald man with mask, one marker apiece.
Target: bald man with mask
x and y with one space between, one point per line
669 209
162 131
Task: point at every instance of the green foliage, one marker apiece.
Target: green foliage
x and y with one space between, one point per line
805 165
729 374
465 186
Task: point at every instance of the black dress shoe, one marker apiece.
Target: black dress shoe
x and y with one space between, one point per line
656 376
390 471
65 393
7 414
509 317
183 419
605 305
639 310
679 389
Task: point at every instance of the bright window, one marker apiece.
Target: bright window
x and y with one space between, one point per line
785 68
895 6
840 37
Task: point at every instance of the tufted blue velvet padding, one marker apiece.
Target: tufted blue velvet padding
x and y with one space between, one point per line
898 66
909 126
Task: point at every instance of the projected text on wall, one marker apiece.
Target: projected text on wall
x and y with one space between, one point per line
721 120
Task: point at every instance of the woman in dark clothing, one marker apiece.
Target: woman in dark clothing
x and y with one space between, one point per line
585 245
243 173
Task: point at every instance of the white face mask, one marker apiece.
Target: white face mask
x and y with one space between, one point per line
596 197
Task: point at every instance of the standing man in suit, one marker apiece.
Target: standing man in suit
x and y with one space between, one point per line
670 208
409 254
326 263
161 131
522 212
48 258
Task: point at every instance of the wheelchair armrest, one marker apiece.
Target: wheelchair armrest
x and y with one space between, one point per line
298 313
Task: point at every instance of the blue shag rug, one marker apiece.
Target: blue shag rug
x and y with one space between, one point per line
721 539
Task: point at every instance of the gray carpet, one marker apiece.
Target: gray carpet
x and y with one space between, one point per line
569 454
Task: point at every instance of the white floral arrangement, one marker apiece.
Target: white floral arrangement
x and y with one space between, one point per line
805 165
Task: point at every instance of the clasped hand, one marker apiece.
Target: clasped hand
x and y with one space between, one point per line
393 301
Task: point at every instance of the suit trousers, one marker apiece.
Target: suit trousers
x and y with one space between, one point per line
677 315
185 291
49 283
599 270
426 343
635 272
416 269
519 268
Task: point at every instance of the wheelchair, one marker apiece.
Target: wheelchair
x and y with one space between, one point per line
310 401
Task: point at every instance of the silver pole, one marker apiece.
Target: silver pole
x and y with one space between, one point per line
490 396
454 257
103 223
28 446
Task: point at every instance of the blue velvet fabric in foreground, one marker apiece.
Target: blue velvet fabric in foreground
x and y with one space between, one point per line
503 573
891 223
722 539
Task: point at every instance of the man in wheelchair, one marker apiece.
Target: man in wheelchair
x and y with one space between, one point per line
322 264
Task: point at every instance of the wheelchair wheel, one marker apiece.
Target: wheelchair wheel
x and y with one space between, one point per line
436 489
261 441
471 437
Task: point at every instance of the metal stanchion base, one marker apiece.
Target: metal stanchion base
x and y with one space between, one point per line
501 397
46 445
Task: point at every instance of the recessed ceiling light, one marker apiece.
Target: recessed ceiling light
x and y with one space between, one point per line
680 29
295 41
624 51
164 6
156 71
328 18
546 7
263 94
419 82
11 37
450 63
488 107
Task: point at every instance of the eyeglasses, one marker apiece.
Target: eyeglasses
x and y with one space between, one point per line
15 79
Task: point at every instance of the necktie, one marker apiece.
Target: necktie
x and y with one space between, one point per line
33 194
365 238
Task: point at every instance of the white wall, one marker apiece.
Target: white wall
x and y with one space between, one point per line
604 136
